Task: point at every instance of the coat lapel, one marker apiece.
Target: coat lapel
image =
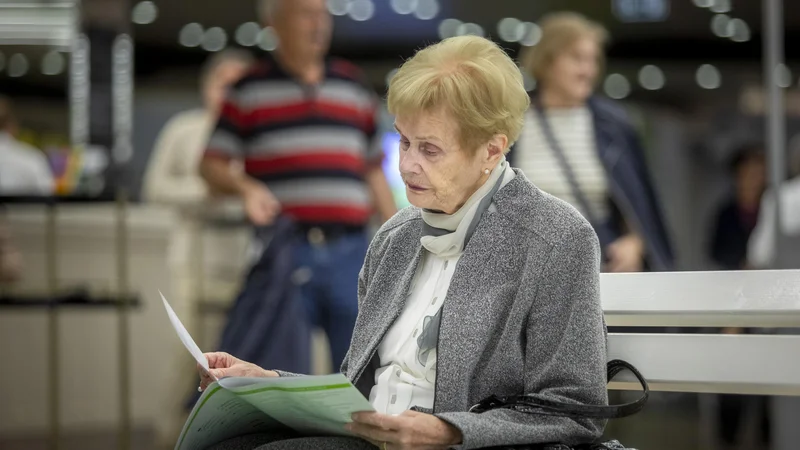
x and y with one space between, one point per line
387 305
469 311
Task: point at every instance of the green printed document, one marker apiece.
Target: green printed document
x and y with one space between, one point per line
230 407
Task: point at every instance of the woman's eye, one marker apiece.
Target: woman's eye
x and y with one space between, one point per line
429 150
404 143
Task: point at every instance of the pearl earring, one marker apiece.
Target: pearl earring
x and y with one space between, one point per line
486 171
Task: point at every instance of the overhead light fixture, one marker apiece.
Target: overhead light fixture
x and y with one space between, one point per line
426 9
531 34
53 63
191 35
214 39
466 29
17 65
338 7
703 3
617 86
448 28
738 30
267 39
510 29
783 76
144 13
651 77
403 6
247 34
708 77
720 25
361 10
721 6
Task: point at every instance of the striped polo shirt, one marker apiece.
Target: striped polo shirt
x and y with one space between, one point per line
310 145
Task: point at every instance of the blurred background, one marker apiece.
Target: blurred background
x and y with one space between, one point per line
93 83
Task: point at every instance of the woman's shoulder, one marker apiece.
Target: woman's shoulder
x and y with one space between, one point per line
401 222
536 215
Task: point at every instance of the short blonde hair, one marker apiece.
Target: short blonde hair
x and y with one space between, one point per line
471 78
559 31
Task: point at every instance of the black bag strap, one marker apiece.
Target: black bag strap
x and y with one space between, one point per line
535 405
558 151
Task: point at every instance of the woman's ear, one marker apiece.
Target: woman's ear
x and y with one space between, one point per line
495 148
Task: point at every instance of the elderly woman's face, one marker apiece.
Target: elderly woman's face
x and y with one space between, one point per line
438 173
574 71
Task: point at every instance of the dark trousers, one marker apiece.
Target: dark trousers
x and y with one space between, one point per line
327 275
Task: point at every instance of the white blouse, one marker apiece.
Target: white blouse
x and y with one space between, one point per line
407 376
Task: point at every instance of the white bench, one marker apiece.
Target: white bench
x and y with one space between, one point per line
766 364
714 363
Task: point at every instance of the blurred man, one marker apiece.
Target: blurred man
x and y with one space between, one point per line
24 170
304 125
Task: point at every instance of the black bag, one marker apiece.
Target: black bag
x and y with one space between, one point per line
534 405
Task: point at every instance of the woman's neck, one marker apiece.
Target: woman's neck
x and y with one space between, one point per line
554 99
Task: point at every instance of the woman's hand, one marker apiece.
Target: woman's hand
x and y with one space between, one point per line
222 364
410 430
625 254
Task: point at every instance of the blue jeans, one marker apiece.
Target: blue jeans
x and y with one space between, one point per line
327 275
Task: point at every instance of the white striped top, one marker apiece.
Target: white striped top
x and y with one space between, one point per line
574 130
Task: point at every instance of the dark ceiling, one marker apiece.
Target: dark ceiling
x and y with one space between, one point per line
684 36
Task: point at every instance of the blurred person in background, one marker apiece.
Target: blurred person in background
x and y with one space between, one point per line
737 217
24 170
762 245
735 221
584 150
304 125
172 176
172 179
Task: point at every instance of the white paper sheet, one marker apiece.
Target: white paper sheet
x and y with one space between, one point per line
187 340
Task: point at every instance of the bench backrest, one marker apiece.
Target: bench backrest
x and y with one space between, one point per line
685 359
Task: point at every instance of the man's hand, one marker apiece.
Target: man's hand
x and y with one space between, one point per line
625 254
261 206
222 365
410 430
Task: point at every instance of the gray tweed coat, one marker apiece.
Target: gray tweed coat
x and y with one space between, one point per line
522 315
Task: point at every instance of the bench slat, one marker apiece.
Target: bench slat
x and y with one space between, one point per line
742 364
768 298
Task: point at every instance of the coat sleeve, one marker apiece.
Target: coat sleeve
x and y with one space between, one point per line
565 355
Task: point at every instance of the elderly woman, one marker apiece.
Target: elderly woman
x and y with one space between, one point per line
583 149
486 285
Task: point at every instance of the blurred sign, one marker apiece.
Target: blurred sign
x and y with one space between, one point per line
641 10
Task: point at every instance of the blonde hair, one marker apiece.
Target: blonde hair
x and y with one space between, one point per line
471 78
559 31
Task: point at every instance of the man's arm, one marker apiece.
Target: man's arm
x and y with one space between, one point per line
227 143
218 175
381 193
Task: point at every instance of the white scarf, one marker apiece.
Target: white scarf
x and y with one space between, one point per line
446 235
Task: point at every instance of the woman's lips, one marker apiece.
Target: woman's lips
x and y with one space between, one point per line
415 188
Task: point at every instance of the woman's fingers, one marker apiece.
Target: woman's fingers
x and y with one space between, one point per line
371 433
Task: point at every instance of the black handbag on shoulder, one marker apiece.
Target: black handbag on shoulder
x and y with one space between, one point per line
533 405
